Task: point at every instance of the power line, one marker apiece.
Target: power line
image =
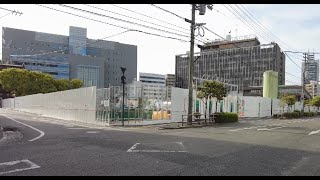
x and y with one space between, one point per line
84 45
260 26
264 26
137 19
12 11
229 18
122 27
294 83
5 15
299 52
148 16
292 75
292 60
126 21
135 30
253 24
220 36
168 11
245 22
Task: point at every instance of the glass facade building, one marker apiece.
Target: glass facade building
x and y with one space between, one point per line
88 74
96 62
56 66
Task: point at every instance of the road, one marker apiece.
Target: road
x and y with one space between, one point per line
267 147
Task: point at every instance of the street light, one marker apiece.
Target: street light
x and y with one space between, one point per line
123 82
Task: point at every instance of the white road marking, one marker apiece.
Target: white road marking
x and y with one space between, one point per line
314 132
280 124
265 129
93 132
155 151
41 132
32 166
133 149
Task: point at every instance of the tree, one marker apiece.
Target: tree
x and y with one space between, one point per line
76 83
289 100
14 81
204 98
308 103
209 90
22 82
62 84
316 102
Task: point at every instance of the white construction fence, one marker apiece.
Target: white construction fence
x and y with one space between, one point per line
75 105
103 106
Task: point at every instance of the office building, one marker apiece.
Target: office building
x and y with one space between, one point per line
170 82
311 69
313 88
154 86
241 61
96 62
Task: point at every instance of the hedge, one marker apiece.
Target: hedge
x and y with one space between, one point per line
226 117
297 114
309 114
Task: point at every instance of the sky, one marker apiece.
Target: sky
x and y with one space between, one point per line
297 27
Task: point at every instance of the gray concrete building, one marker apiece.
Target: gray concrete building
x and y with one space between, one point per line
96 62
241 61
170 82
311 69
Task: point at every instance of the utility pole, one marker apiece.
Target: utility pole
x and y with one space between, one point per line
202 10
191 64
303 81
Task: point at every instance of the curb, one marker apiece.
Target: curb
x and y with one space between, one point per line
1 133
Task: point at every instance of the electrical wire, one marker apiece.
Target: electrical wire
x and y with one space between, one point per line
135 30
140 20
148 16
292 75
122 27
168 11
126 21
5 15
57 51
292 60
265 27
12 11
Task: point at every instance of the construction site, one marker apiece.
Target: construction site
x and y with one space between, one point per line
239 61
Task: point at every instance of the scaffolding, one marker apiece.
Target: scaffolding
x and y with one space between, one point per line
243 66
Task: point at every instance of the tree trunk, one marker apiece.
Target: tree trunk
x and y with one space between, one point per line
216 106
205 113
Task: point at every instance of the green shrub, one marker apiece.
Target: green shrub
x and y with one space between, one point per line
297 111
295 114
287 115
226 117
309 114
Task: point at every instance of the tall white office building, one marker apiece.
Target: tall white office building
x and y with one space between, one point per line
154 86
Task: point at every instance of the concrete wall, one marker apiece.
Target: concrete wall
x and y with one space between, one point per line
245 106
75 105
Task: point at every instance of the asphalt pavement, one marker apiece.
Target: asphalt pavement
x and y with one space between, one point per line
52 148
